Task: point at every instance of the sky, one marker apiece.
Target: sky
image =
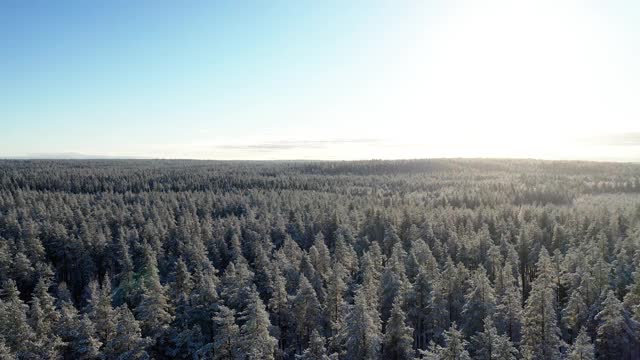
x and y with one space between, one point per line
550 79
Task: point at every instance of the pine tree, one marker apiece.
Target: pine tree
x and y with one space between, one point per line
153 311
127 343
582 348
454 349
632 298
393 281
84 345
398 337
508 313
43 309
14 327
489 345
420 307
480 302
101 311
203 300
257 342
320 256
5 351
306 309
236 282
316 349
225 341
363 330
46 343
279 309
335 305
616 337
541 334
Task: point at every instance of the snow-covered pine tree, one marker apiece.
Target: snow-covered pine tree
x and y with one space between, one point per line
616 334
257 342
307 310
541 338
363 330
398 337
316 349
480 302
225 340
127 343
582 348
489 345
154 308
14 327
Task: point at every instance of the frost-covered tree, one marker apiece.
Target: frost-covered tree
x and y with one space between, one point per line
541 338
5 351
398 337
489 345
101 312
316 349
363 330
226 340
420 307
508 313
335 307
84 344
256 341
454 349
582 348
153 311
127 343
616 333
14 327
480 302
307 310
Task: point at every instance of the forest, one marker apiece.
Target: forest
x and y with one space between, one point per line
411 259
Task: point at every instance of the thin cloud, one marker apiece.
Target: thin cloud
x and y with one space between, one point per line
619 139
295 144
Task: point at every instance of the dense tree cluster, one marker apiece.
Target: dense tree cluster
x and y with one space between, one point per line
431 259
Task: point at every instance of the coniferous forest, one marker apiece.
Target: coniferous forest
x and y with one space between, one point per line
429 259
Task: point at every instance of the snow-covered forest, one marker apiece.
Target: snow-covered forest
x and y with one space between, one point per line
431 259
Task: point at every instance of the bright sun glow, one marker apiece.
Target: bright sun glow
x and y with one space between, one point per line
511 78
540 79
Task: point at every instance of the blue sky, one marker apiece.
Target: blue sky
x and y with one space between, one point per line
309 79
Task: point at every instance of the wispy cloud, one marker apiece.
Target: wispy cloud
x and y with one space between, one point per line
295 144
618 139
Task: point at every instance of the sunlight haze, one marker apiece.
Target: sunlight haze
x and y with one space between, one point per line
330 80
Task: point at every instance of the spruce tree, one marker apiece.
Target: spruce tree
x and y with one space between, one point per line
257 342
5 351
489 345
420 308
454 349
582 348
316 349
616 333
101 311
85 345
480 302
14 327
541 338
153 311
127 343
226 341
398 337
363 330
306 309
508 313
